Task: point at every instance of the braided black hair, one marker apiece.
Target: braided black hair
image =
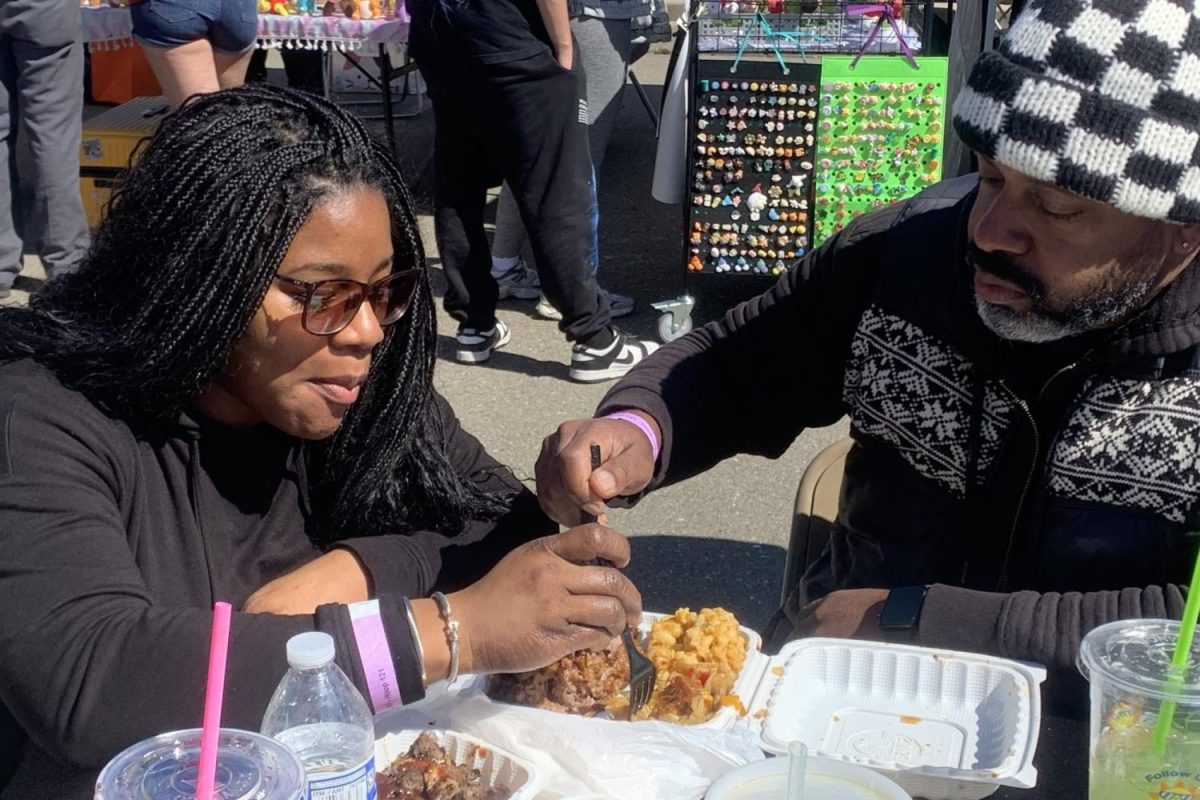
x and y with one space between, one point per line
182 261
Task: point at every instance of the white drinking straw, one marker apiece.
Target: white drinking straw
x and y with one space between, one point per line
797 766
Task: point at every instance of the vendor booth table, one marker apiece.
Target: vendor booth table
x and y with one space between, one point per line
108 28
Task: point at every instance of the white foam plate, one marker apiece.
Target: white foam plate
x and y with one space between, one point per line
747 679
743 687
824 780
497 767
944 725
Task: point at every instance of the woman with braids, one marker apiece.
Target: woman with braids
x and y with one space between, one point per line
232 400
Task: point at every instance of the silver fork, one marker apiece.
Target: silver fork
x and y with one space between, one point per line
641 675
641 669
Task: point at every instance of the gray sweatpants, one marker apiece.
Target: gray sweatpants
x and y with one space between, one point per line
41 94
603 46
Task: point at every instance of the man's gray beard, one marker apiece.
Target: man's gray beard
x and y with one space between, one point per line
1039 326
1031 327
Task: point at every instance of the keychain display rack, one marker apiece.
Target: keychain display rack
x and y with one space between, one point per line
786 150
881 128
754 138
779 163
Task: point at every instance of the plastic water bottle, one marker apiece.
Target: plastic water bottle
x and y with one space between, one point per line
318 714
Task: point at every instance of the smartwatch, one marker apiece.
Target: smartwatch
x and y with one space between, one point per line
902 611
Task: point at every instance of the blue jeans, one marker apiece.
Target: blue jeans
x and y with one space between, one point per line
230 25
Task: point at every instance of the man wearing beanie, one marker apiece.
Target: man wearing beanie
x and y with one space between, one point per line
1018 352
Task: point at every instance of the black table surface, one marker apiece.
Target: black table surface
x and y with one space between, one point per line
1062 762
744 577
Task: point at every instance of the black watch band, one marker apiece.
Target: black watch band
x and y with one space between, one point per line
902 611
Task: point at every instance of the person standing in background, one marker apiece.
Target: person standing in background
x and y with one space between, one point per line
508 104
304 69
41 94
604 46
196 46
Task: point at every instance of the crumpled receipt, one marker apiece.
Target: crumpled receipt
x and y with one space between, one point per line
582 757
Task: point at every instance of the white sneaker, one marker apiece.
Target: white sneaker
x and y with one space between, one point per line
619 305
520 282
546 311
594 364
474 346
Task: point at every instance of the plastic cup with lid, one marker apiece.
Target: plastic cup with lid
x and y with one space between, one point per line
1127 665
250 766
824 779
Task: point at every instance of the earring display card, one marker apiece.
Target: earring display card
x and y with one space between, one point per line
753 139
880 135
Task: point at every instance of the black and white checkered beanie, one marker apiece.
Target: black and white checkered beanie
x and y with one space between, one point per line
1099 97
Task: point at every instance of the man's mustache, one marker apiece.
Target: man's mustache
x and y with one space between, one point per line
1003 267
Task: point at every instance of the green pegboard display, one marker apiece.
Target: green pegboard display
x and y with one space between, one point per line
882 125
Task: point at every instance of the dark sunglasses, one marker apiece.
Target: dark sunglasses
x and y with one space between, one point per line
330 305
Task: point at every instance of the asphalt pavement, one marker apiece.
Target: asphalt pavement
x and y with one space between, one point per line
718 539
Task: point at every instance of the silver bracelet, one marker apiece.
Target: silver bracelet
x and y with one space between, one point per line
416 635
447 616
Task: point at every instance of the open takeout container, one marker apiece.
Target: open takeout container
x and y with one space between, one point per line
497 767
743 687
943 725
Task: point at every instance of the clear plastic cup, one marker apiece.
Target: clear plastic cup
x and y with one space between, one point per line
1126 663
250 766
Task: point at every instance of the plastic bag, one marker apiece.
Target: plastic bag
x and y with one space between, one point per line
587 757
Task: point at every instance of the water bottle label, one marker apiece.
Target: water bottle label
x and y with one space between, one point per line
350 784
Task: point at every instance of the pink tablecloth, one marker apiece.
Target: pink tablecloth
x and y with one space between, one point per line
110 28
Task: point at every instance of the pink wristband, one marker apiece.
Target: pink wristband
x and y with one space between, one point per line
375 654
643 426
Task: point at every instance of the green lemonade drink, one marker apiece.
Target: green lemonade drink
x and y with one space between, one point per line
1126 663
1163 784
1125 766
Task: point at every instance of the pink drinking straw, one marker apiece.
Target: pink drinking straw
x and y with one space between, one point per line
214 694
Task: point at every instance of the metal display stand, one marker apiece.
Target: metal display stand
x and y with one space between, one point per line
388 74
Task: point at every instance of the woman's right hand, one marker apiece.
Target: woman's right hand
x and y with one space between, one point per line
540 603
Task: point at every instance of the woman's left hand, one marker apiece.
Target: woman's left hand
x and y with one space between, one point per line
564 54
336 577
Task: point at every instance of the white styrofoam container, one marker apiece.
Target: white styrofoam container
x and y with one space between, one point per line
497 767
943 725
747 679
743 687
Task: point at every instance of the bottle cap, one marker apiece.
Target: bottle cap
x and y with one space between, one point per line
308 650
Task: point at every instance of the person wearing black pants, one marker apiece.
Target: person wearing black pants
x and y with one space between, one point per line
304 69
508 105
